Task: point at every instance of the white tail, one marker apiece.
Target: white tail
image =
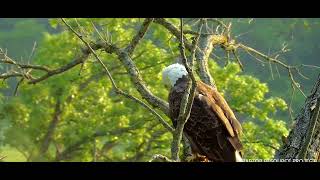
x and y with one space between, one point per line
238 157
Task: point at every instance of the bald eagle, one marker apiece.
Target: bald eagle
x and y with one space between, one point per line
212 128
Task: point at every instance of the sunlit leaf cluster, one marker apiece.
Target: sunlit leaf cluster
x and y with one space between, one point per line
97 124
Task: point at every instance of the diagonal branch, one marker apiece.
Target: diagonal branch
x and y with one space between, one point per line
187 99
238 59
136 39
1 158
173 30
203 49
123 56
262 143
75 146
49 72
117 90
139 84
136 78
53 124
60 70
140 151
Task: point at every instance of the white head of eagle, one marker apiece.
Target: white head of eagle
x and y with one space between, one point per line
172 73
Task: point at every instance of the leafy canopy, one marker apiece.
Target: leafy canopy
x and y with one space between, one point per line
95 120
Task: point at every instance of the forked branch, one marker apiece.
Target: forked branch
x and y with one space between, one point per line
118 90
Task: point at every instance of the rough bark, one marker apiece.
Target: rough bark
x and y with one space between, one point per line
202 54
303 141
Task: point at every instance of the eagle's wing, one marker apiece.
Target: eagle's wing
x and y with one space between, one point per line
211 129
219 105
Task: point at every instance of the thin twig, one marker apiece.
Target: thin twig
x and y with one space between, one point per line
238 59
218 22
186 102
271 71
276 61
260 142
32 51
117 90
17 86
89 138
1 158
290 104
7 60
142 31
175 31
227 58
313 66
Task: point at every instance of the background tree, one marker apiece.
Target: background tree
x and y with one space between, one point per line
72 112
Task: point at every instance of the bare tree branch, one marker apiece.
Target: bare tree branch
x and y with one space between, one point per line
119 91
172 29
187 99
10 75
75 146
7 60
17 86
238 59
148 145
139 84
60 70
276 61
135 76
205 48
48 71
260 142
202 54
1 158
136 39
200 48
219 22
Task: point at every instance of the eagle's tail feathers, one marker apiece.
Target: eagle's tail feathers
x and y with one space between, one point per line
238 157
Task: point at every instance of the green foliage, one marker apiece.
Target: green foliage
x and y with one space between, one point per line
91 107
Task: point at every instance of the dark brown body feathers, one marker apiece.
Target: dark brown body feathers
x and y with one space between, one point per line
212 128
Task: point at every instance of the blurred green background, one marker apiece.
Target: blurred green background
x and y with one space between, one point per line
260 95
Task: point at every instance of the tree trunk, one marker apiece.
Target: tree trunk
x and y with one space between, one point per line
303 141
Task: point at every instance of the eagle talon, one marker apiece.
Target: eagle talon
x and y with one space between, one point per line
197 158
191 158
